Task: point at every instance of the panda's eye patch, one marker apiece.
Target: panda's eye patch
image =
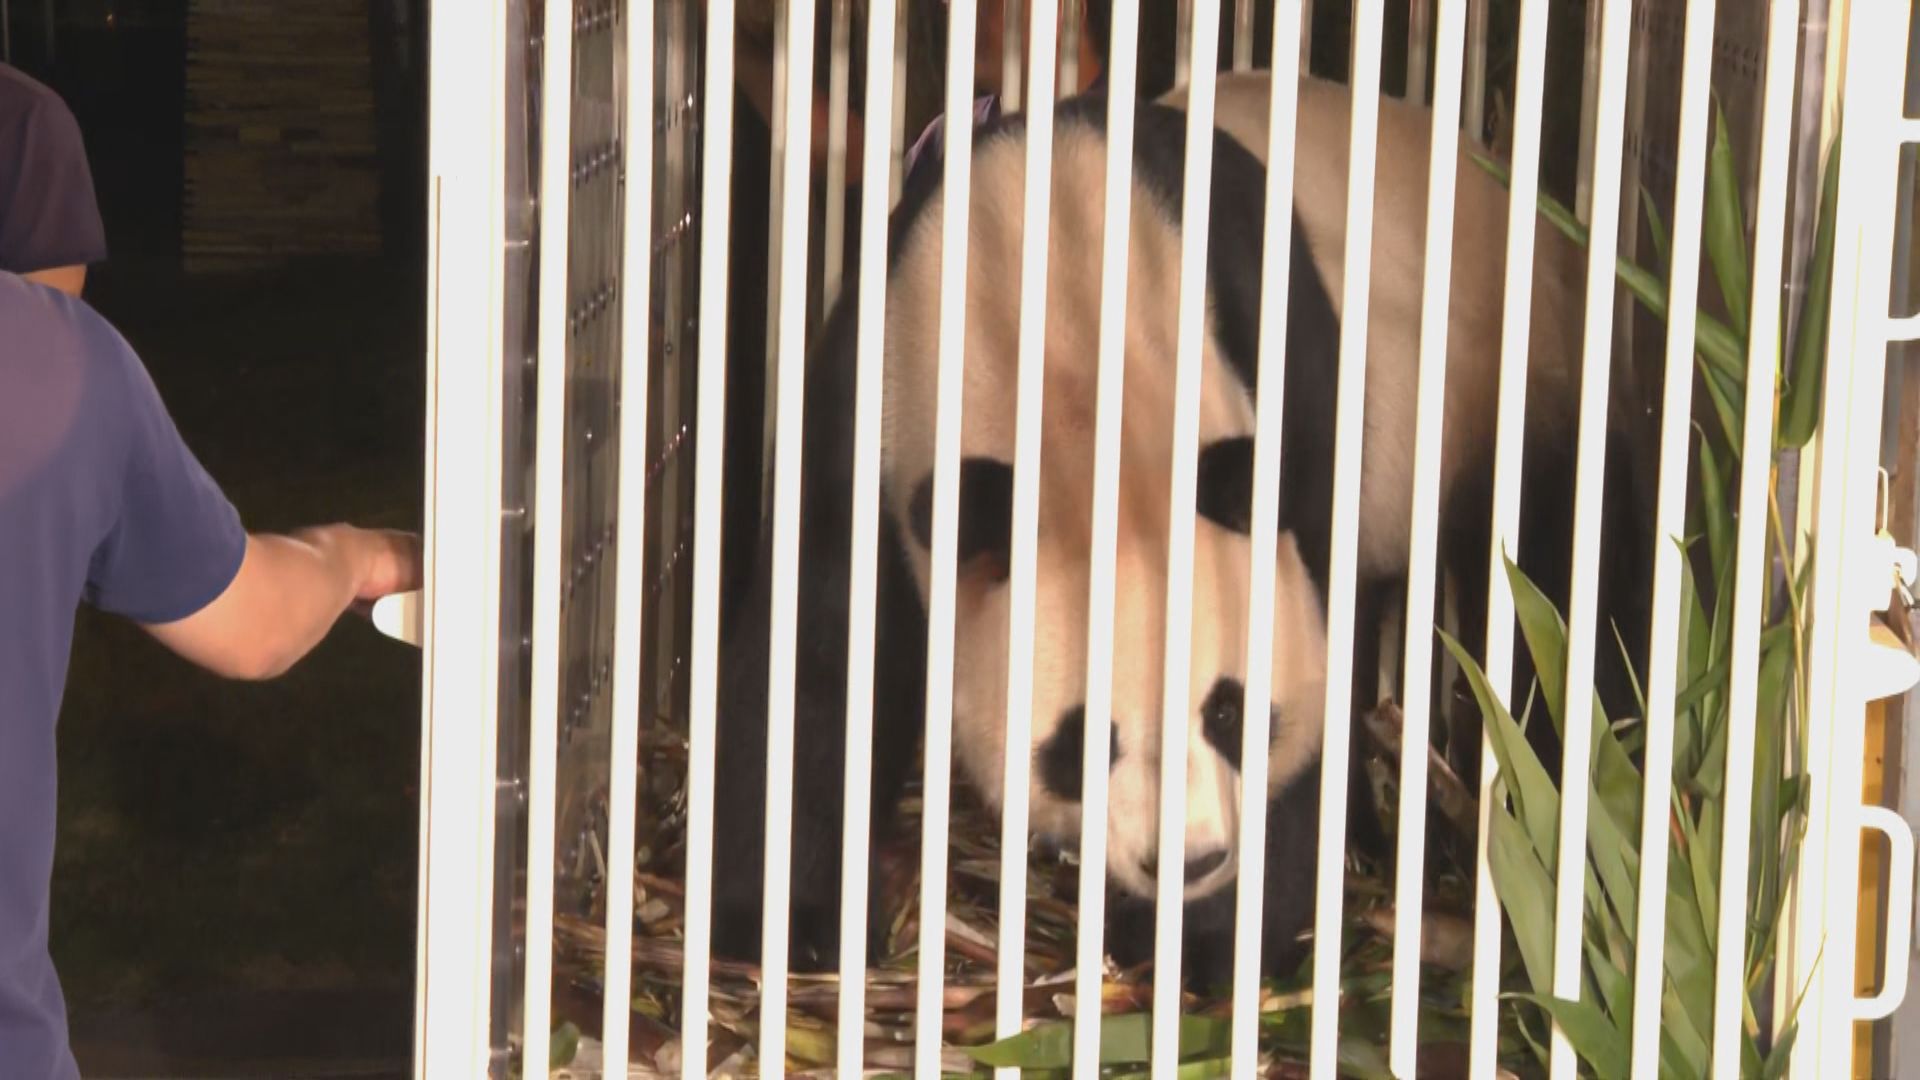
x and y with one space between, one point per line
1222 719
1224 484
1063 755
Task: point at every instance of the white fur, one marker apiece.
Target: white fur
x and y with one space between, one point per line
1475 302
1221 558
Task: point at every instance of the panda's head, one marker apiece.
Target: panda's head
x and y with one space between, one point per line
1222 571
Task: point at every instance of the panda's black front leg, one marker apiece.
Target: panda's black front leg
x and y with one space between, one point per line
815 816
1292 867
1372 599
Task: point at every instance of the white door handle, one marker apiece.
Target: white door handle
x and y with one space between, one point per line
398 616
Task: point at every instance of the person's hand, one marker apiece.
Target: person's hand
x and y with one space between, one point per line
390 563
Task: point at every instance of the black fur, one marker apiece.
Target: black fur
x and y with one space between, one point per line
985 514
1062 756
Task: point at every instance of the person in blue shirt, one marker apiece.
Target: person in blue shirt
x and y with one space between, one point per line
102 503
50 228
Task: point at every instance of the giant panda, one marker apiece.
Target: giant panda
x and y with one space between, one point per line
1475 311
1220 552
1221 561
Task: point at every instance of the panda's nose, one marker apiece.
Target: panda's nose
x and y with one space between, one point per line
1198 866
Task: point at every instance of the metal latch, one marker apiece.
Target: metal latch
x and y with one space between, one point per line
1886 571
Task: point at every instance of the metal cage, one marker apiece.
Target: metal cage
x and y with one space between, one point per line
595 265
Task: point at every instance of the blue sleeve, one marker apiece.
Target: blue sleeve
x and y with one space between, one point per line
176 541
48 216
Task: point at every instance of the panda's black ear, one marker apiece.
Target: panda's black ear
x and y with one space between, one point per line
986 513
1224 485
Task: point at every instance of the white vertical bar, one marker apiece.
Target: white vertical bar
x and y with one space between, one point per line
858 810
837 108
776 151
1476 90
1124 52
1068 83
1182 41
1582 622
549 517
897 172
1689 194
1176 690
1034 235
1751 564
460 642
630 539
957 187
1589 106
1419 26
1349 411
716 156
1509 439
795 165
1850 425
1422 567
1242 34
1013 30
1269 408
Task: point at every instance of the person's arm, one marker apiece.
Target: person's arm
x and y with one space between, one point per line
177 559
287 595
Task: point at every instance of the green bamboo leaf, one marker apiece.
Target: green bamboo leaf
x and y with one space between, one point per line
1674 1064
1546 637
1726 225
1682 1031
1725 401
1709 776
1713 493
1518 873
1617 782
564 1045
1597 1040
1626 662
1614 859
1535 798
1689 952
1766 882
1616 989
1801 411
1206 1069
1706 858
1706 902
1662 249
1123 1039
